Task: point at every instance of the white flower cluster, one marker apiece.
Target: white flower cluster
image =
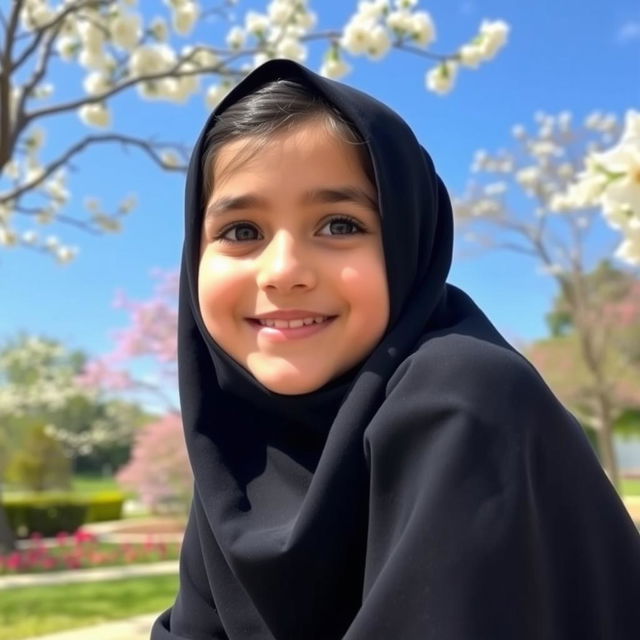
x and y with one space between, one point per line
277 33
611 181
51 387
491 37
377 25
25 171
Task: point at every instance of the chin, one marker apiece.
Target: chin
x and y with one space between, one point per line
286 383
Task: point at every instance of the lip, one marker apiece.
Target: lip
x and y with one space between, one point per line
274 334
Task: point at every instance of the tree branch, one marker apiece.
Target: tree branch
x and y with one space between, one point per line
80 224
144 145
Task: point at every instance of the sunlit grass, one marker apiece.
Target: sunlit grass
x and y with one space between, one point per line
630 487
32 611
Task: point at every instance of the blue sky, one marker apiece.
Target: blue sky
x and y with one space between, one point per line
570 55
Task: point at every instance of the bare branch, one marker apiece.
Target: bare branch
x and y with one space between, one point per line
148 147
517 248
80 224
401 46
52 24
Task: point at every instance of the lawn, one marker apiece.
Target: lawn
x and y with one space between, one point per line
630 486
32 611
94 484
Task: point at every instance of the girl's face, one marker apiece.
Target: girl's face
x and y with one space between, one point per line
292 281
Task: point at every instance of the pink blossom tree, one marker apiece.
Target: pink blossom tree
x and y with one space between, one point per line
159 468
150 334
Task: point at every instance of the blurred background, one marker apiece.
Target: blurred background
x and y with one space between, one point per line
530 112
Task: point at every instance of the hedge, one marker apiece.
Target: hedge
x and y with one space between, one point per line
51 513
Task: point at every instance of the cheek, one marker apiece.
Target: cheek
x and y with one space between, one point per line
220 289
366 287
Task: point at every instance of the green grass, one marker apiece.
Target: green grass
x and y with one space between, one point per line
32 611
630 487
93 484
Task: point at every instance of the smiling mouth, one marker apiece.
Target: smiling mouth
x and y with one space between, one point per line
290 324
278 330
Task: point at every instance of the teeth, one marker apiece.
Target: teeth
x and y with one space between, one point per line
293 324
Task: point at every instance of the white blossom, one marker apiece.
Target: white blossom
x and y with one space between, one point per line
356 36
96 83
422 29
95 115
35 14
373 9
125 30
494 36
495 188
400 22
11 170
256 23
306 20
159 29
405 4
91 36
236 37
291 48
66 46
100 60
528 178
215 93
440 79
51 242
184 17
629 249
8 238
471 55
334 67
65 254
36 139
379 43
280 11
204 58
170 159
29 237
151 59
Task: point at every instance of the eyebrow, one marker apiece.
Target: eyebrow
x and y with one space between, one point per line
331 195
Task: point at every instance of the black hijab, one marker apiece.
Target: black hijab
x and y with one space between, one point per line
438 490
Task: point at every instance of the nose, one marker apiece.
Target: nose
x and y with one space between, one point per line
283 265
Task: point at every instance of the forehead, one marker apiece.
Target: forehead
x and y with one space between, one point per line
308 150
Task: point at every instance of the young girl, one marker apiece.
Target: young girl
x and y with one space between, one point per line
372 460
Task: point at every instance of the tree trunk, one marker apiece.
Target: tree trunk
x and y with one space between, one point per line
7 538
605 440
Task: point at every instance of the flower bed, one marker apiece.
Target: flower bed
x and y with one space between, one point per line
82 550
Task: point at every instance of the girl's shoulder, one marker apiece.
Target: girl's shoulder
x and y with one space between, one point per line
477 378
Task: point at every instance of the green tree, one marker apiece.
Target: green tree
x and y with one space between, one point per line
41 463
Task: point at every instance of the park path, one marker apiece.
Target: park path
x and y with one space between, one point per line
89 575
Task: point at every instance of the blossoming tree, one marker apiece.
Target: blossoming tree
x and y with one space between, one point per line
544 199
119 49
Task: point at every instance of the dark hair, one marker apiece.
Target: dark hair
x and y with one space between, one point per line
278 105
